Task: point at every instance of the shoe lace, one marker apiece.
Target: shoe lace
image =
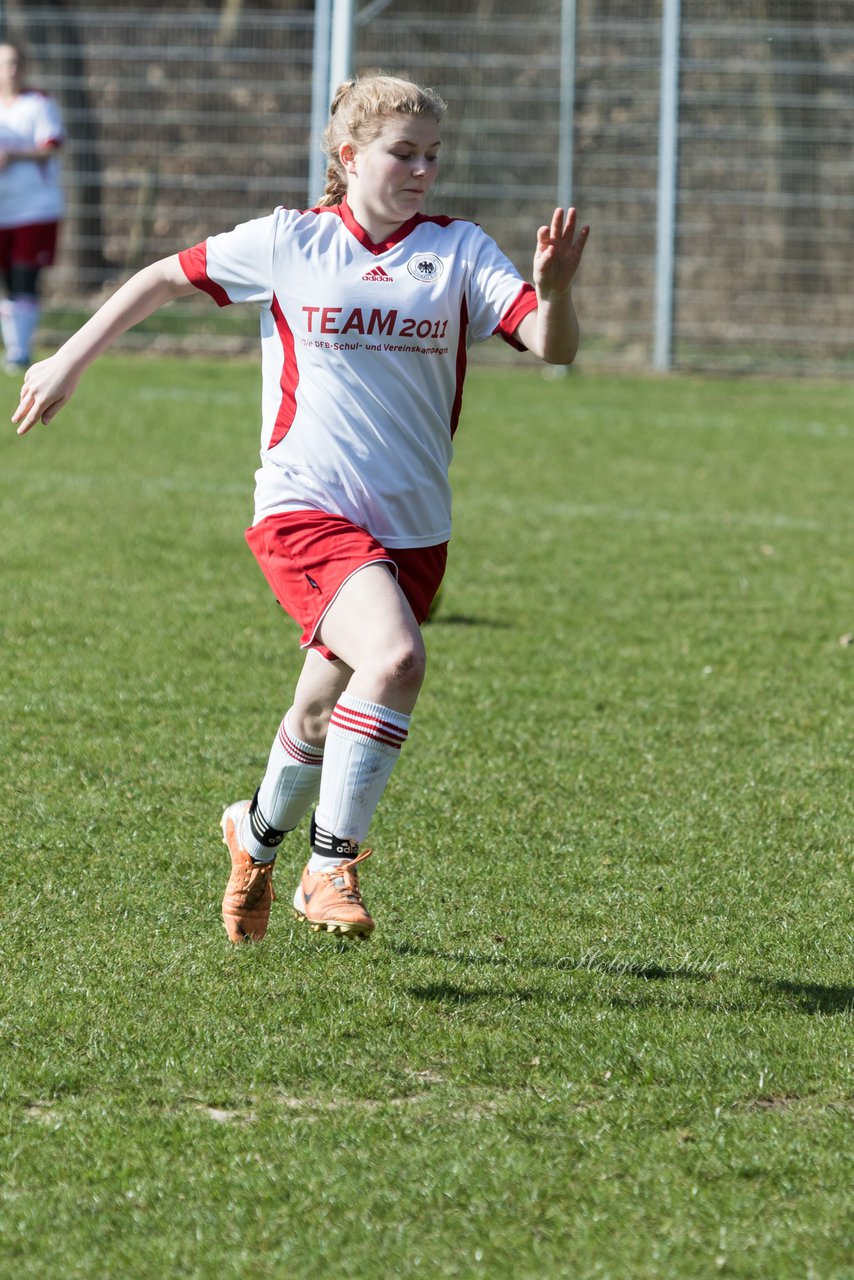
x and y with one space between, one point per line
349 888
258 877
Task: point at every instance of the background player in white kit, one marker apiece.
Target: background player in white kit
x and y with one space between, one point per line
367 310
31 202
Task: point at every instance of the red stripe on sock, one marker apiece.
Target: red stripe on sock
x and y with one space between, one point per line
361 724
295 751
369 723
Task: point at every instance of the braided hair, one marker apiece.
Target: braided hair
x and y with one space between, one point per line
357 113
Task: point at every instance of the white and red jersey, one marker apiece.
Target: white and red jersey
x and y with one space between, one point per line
30 190
363 357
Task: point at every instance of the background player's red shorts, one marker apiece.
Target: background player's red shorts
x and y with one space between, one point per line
31 246
307 556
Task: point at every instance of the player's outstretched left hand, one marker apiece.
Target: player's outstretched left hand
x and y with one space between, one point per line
558 253
48 385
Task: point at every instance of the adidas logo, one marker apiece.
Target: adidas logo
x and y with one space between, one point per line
378 276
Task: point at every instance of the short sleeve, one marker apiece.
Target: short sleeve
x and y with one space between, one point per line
49 130
235 266
498 297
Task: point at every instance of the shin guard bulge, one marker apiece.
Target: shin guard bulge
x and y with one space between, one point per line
362 747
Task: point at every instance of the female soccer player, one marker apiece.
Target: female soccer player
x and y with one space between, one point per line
31 203
367 309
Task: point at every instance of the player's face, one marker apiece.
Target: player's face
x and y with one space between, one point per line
389 178
10 68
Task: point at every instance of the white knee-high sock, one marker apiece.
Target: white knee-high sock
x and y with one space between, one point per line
362 747
19 318
8 329
289 788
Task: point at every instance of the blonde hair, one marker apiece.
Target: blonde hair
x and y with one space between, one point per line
357 113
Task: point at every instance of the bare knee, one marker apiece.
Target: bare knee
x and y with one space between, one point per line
310 722
406 667
319 687
393 676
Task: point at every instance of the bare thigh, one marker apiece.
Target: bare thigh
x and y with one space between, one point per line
373 630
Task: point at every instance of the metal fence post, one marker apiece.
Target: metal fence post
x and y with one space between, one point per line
319 98
668 141
566 123
332 62
341 49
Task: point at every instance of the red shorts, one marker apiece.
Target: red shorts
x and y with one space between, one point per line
307 556
31 246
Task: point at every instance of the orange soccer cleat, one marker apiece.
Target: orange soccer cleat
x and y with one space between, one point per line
249 892
332 900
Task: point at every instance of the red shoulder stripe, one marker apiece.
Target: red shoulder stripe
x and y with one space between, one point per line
194 263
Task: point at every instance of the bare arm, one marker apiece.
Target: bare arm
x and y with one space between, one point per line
39 154
551 331
50 384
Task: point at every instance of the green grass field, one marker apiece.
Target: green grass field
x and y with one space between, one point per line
603 1029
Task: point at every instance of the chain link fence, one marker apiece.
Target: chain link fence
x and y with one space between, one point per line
184 123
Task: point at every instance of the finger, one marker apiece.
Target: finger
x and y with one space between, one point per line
26 392
543 237
53 410
30 414
568 229
28 421
25 402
